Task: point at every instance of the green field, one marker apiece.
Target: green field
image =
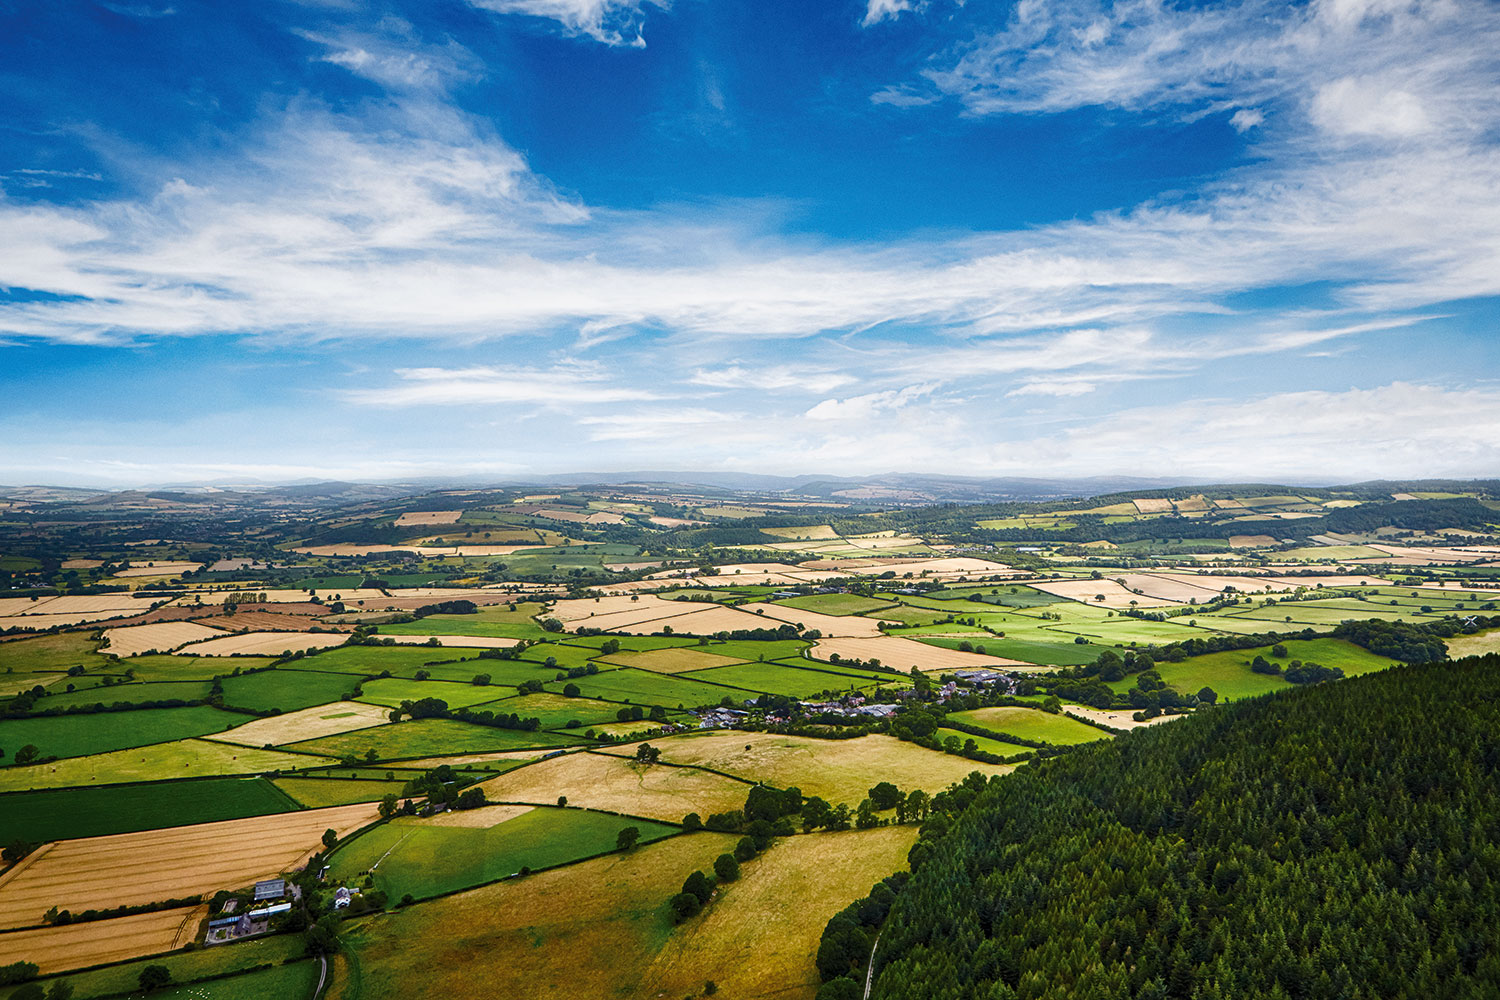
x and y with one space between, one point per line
392 691
428 738
158 762
94 812
135 693
836 604
750 649
996 747
642 687
1031 724
166 667
777 678
291 981
315 793
555 710
286 690
99 732
401 661
51 652
1229 673
1058 654
425 859
123 979
567 656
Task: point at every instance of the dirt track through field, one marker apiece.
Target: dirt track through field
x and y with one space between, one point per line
134 868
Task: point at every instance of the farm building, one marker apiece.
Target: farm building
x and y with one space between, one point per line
271 888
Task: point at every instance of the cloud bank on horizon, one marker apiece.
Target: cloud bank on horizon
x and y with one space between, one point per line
1236 240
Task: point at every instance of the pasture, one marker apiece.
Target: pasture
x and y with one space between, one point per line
614 784
1031 724
779 678
51 653
392 691
671 660
185 966
135 694
428 738
99 732
584 930
997 747
96 812
167 667
134 868
776 912
320 792
430 857
837 770
642 687
555 710
837 604
286 690
1229 673
181 759
401 661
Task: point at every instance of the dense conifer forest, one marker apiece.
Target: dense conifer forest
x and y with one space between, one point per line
1341 841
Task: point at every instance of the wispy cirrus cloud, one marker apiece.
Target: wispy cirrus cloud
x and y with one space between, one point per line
612 22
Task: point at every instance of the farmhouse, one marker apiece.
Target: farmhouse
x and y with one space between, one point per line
271 888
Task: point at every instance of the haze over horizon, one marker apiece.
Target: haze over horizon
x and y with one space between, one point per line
1231 242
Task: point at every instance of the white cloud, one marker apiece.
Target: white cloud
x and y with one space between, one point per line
879 10
870 404
613 22
1352 106
771 378
569 386
1246 119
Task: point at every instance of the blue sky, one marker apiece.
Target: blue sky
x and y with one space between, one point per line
1240 241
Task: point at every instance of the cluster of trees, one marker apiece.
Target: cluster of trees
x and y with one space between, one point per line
1410 642
1334 841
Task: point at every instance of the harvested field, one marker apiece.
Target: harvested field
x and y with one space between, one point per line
79 946
160 569
672 660
637 607
834 626
838 770
40 623
134 868
82 563
161 637
308 724
947 567
816 532
903 654
1474 645
428 517
1155 506
1114 720
614 784
1250 541
715 618
760 937
87 605
1088 592
267 643
263 621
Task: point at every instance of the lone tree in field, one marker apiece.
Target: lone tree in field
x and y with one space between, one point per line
647 754
627 838
154 977
330 839
388 807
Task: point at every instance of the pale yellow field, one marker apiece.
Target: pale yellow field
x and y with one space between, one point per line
1476 644
817 532
428 517
950 566
474 758
903 654
1115 720
133 640
1249 541
99 942
834 626
160 569
82 563
1115 596
759 936
672 661
838 770
40 622
181 759
644 606
267 643
308 724
133 868
472 819
1169 587
1158 506
715 618
601 781
90 605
